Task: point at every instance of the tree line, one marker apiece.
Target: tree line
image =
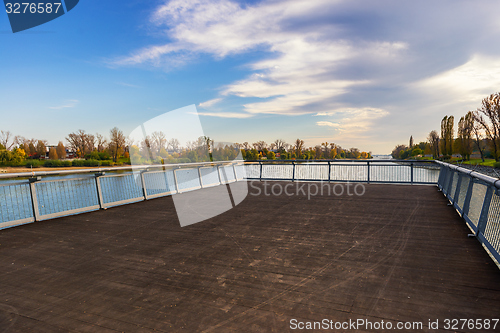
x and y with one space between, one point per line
156 148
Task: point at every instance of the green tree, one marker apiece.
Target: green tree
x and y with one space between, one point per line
464 140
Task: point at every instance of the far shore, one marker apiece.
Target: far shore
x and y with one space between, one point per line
24 169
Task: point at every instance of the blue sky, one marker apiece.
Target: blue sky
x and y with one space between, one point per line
361 74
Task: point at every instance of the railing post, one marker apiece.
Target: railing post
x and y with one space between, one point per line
175 180
468 196
201 178
99 189
34 200
483 218
143 183
411 167
260 164
368 175
220 177
293 171
235 174
329 171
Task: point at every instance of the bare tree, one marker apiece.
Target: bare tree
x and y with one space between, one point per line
7 139
299 146
246 145
488 117
81 142
101 142
478 136
259 145
174 145
158 141
434 143
280 144
116 143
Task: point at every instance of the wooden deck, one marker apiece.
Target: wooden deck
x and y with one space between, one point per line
398 253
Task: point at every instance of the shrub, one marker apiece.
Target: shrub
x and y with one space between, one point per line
496 165
66 163
33 164
90 163
77 163
52 163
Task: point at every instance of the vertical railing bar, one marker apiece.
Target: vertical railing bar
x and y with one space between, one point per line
293 171
411 177
329 171
99 189
235 174
450 184
143 183
468 196
457 190
260 166
201 178
368 171
34 200
220 177
483 218
176 183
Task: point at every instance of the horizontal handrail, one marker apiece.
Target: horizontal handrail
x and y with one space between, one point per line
102 169
364 161
481 176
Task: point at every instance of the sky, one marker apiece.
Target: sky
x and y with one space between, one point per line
365 74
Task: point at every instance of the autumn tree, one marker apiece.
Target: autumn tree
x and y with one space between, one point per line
53 154
41 149
61 150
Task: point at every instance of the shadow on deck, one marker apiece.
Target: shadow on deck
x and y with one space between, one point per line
398 253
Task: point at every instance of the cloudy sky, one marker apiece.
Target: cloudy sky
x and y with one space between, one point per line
364 74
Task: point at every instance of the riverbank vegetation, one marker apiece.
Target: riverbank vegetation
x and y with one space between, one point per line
83 149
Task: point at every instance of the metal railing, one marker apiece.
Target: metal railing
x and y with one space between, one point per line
477 199
30 197
361 171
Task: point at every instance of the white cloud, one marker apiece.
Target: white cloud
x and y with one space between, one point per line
209 103
470 82
301 72
225 114
71 103
352 123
